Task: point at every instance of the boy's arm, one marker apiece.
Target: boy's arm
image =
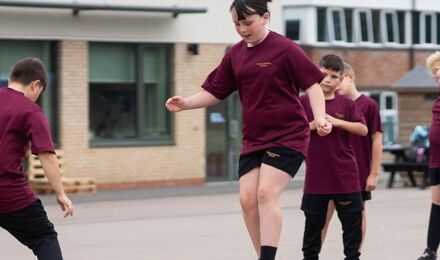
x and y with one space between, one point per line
51 168
375 161
317 103
356 128
199 100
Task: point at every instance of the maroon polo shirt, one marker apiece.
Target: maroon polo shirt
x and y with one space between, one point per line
331 163
362 145
21 122
434 134
268 77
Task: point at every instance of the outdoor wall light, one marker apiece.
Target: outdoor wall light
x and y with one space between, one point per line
192 48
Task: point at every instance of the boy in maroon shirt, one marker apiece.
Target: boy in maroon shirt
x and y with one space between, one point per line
267 70
332 172
433 63
368 149
22 122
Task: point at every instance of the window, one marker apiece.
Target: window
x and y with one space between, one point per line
129 84
336 25
390 28
363 28
416 27
11 51
293 29
401 24
437 16
389 114
375 15
322 25
294 20
349 24
428 28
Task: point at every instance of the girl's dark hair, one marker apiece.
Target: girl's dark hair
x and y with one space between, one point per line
332 62
249 7
27 70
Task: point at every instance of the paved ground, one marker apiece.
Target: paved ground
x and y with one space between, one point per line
205 223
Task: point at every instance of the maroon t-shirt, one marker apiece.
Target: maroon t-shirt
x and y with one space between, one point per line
434 136
21 122
268 77
362 145
331 164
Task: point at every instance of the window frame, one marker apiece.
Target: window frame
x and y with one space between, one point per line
422 26
140 98
384 27
331 26
384 113
357 28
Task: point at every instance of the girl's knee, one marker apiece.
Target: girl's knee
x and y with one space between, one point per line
248 201
266 196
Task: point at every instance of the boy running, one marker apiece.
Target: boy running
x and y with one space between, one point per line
22 122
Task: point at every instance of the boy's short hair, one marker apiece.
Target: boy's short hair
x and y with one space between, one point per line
332 62
27 70
432 61
347 69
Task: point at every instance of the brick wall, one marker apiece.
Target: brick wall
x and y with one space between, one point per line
182 163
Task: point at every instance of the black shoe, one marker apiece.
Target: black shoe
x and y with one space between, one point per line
428 255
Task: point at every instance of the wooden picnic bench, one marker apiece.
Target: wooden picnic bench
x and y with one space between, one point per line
409 168
402 164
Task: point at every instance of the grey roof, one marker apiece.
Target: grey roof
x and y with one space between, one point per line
417 78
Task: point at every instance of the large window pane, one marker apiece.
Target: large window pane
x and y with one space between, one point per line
322 25
364 26
112 111
376 26
416 27
428 28
156 92
337 25
112 63
293 30
401 25
438 27
349 24
389 27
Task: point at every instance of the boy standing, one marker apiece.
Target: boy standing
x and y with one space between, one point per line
368 149
332 172
22 122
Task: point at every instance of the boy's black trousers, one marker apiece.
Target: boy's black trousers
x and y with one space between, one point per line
33 229
349 208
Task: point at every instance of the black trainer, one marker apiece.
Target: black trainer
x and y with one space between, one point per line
428 255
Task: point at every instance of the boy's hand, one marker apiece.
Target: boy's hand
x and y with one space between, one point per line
332 120
66 205
323 127
371 182
175 104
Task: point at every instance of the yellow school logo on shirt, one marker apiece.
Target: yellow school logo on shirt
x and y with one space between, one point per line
340 116
264 64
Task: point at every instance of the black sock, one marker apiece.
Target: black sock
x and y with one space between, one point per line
434 228
268 253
